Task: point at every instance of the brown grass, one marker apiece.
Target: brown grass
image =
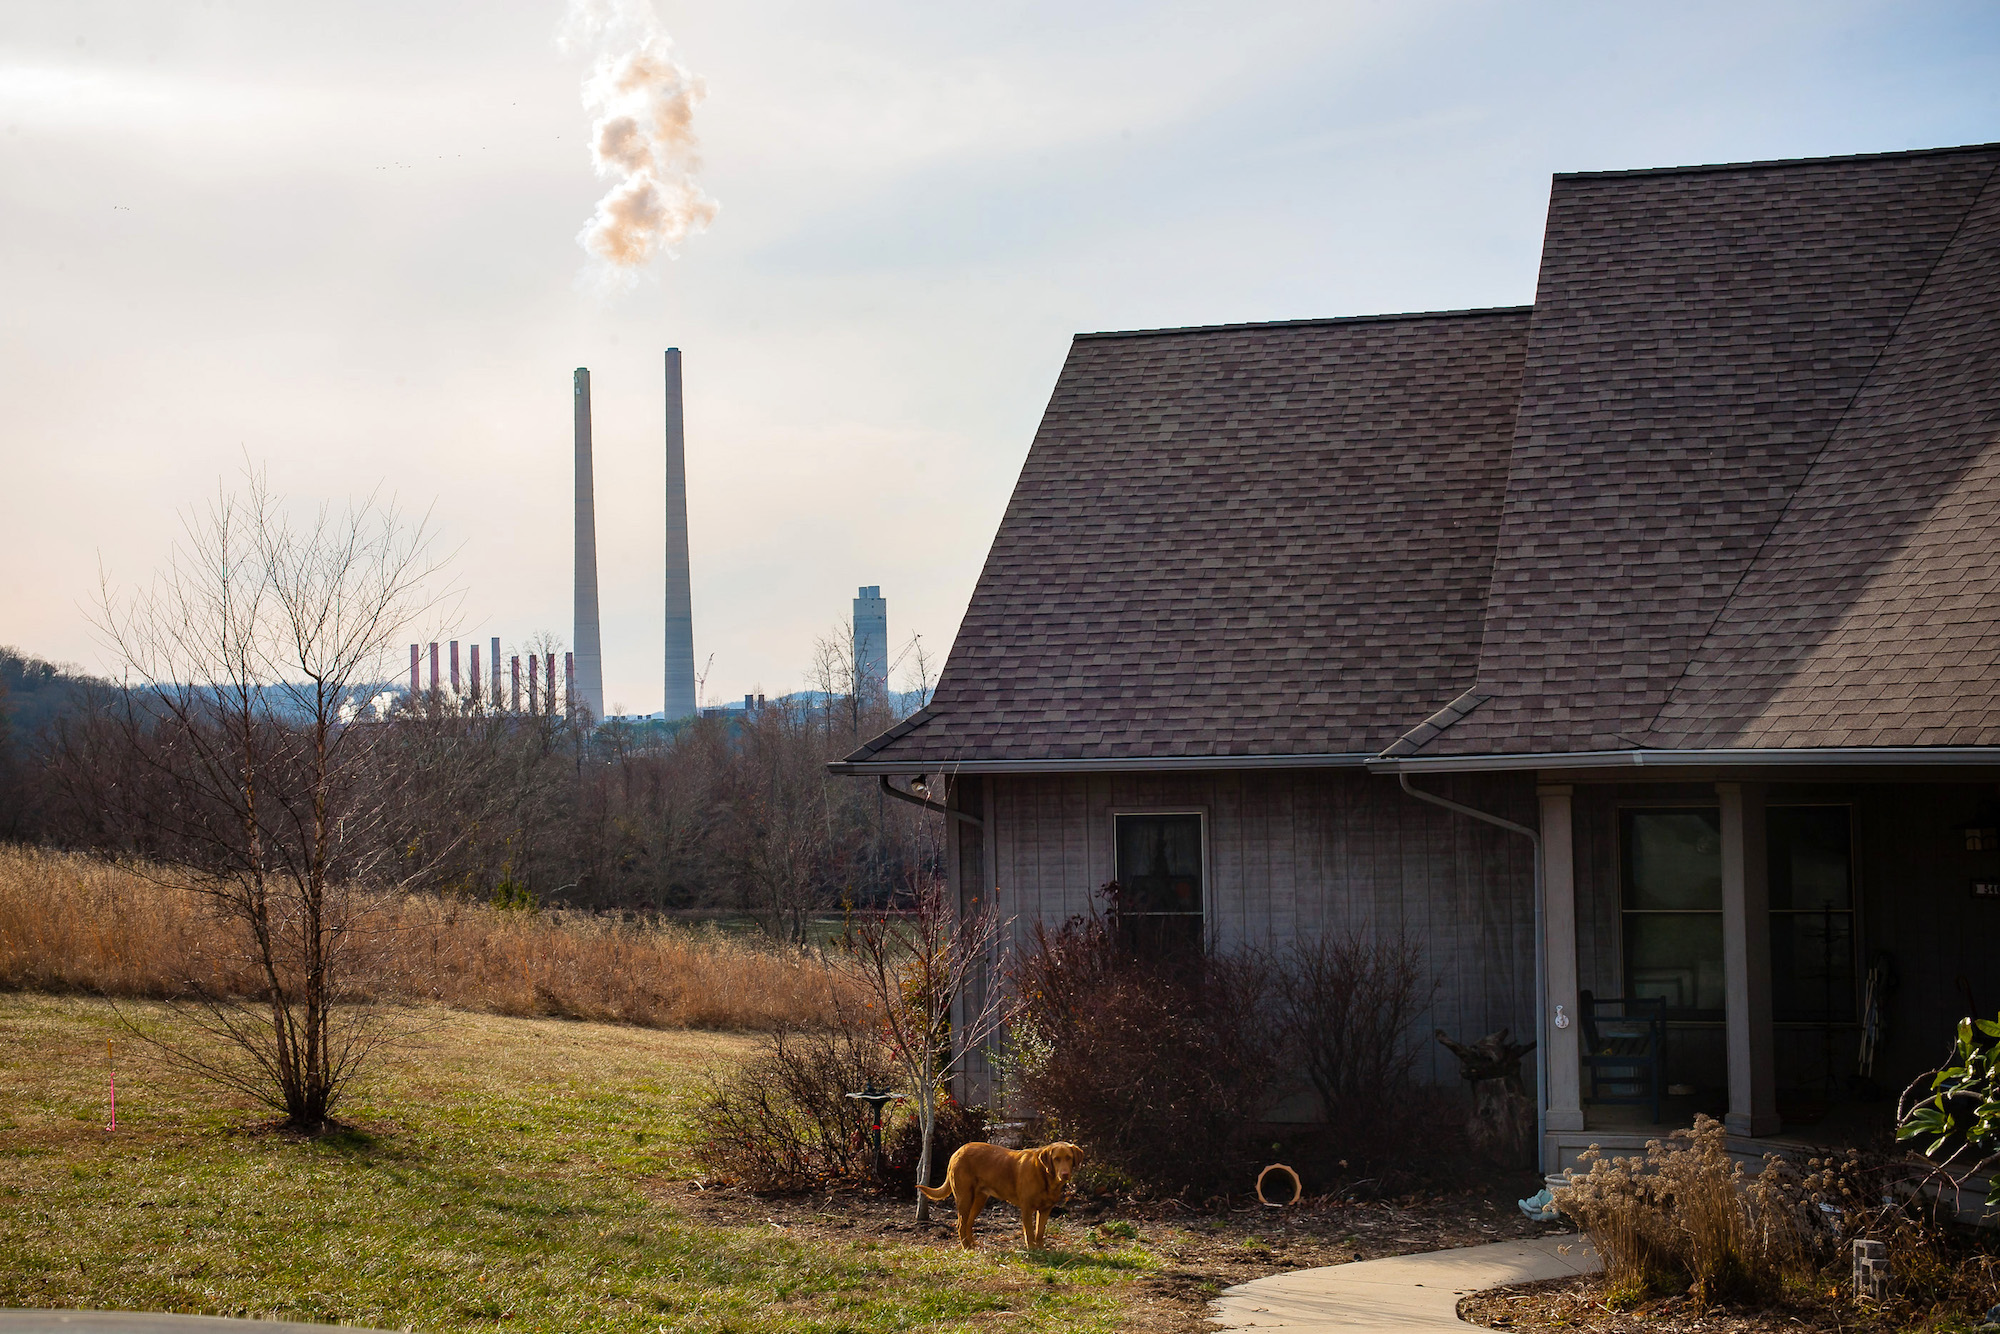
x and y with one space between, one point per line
73 923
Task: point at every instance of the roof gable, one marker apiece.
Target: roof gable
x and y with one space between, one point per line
1248 540
1698 338
1872 615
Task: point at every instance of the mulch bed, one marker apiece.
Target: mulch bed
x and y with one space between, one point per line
1578 1304
1200 1251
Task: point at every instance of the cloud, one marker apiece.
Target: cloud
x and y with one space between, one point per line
643 138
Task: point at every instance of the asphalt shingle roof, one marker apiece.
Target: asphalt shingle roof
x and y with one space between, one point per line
1731 417
1735 483
1244 540
1871 617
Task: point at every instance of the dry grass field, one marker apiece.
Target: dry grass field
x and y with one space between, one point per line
501 1169
70 923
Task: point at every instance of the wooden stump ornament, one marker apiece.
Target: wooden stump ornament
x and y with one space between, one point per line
1503 1116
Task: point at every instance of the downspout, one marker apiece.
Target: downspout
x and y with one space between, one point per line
1541 973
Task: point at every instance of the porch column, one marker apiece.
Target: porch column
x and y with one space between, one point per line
1746 961
1559 1045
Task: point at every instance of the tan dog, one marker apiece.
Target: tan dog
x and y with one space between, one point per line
1032 1180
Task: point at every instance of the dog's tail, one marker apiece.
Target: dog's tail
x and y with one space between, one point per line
936 1192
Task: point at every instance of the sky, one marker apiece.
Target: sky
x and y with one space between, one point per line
340 243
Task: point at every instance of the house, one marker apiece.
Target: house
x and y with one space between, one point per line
1679 590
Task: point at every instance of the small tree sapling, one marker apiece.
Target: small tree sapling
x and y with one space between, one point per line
926 973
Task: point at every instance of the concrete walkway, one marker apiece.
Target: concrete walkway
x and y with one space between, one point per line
142 1322
1402 1293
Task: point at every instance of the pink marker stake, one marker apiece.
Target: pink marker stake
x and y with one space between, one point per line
114 1083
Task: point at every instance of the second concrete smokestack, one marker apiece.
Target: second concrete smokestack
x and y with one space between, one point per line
680 700
589 685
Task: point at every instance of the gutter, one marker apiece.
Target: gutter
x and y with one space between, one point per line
1719 757
1541 971
1354 759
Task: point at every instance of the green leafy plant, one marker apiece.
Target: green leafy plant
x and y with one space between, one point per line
1962 1111
510 895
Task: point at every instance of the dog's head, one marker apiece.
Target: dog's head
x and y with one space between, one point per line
1059 1163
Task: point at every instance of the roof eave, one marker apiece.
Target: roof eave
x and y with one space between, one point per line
1114 764
1721 757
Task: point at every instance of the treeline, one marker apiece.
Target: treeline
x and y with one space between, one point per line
34 695
728 813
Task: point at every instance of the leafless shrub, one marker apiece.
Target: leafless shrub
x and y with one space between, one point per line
784 1122
1349 1003
1155 1065
953 1125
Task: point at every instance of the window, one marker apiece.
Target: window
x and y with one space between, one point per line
1159 875
1812 915
1673 909
1672 892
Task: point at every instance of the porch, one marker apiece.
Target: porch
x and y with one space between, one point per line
1807 948
1624 1131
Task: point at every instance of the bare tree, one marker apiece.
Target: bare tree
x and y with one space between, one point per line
783 842
250 753
836 675
921 672
920 969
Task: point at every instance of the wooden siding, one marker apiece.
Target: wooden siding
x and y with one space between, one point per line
1916 875
1294 853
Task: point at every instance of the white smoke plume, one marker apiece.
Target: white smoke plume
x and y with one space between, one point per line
642 138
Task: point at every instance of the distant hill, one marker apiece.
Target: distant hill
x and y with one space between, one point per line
33 692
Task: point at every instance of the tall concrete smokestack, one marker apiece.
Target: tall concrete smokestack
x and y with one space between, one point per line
680 700
589 645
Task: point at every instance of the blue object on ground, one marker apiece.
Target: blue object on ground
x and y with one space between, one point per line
1541 1206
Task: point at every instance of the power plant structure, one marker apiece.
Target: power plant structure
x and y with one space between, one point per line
583 667
586 635
871 642
679 683
680 699
543 696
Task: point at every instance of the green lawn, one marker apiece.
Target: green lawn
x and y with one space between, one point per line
505 1174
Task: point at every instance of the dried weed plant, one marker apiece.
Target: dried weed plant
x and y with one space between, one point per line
1688 1217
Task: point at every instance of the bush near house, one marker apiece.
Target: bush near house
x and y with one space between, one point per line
1687 1219
1349 1004
1155 1061
957 1126
1162 1064
784 1122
